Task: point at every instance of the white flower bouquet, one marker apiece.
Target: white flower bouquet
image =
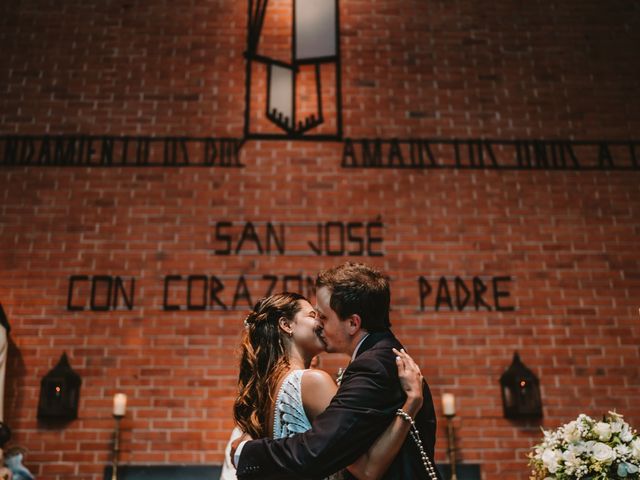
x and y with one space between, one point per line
589 450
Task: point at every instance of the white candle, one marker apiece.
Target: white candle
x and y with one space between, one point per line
448 404
119 404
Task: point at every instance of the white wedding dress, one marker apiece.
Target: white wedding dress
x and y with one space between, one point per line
289 416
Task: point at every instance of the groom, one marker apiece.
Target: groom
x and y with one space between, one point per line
353 308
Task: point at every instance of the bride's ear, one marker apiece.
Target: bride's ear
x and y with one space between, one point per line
285 326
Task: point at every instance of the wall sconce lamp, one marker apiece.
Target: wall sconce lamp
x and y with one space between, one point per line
520 392
59 392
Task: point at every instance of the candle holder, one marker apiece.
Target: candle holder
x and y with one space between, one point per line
116 447
451 446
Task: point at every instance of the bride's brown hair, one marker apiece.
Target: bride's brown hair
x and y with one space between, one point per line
263 361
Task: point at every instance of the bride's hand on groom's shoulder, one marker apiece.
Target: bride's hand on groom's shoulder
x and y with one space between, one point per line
411 379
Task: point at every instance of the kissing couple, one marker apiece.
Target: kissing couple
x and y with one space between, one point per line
377 423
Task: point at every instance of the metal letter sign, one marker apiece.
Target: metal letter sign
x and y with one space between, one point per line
293 91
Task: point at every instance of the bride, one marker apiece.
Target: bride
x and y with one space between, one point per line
279 395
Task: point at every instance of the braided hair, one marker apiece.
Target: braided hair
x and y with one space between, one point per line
263 361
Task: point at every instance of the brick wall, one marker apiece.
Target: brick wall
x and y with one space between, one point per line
567 239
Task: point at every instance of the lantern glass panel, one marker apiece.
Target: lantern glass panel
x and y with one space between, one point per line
315 28
280 93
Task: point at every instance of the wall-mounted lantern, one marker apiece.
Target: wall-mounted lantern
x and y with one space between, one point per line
520 392
59 392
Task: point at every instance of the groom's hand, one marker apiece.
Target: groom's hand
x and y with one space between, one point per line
235 444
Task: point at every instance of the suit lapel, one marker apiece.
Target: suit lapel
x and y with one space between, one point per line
368 343
371 340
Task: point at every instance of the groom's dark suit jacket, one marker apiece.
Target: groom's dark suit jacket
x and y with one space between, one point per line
363 407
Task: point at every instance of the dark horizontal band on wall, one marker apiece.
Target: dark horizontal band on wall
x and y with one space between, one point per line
492 154
412 153
119 151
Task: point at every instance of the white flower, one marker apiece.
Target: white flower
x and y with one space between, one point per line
626 435
571 460
603 430
622 452
616 427
603 453
551 459
635 448
588 446
571 432
584 447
